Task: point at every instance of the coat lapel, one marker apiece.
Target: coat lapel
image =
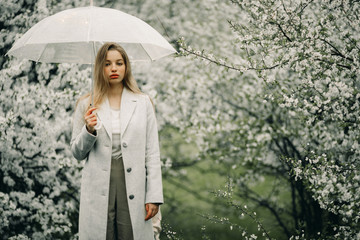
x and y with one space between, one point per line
104 116
128 105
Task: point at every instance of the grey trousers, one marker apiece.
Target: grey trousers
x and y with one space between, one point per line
118 223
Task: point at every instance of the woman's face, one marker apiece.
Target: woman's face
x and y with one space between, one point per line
114 68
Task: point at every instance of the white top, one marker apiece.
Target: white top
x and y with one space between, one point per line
115 120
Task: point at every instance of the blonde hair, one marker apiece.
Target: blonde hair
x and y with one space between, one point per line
101 83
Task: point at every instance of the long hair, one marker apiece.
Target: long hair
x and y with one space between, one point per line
101 83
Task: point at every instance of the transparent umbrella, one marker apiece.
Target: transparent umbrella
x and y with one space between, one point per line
75 35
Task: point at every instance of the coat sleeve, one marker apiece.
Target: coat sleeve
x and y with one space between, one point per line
154 189
81 141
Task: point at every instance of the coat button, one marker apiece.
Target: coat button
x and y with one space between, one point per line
128 170
131 197
124 144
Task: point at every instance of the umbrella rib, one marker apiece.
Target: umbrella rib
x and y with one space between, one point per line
146 52
42 52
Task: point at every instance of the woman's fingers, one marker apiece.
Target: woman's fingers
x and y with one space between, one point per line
90 115
148 215
90 119
151 210
90 111
92 123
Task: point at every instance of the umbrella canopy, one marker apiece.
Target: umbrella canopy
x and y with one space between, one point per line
75 35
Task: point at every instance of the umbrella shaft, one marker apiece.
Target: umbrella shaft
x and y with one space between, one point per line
92 72
92 85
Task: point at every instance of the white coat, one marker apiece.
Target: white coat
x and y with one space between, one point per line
141 157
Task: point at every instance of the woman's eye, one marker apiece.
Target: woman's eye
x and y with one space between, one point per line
120 63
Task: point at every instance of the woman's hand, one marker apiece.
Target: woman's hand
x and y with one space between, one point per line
90 119
151 209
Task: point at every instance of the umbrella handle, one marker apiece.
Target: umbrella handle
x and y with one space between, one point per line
98 124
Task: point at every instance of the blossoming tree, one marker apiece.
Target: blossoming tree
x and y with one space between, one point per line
39 181
277 109
293 109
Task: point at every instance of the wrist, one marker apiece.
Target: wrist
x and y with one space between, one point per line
91 131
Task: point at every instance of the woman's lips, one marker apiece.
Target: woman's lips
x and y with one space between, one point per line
114 76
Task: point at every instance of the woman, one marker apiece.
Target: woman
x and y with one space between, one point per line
121 187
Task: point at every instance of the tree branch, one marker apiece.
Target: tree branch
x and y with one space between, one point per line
187 189
266 204
336 51
281 30
340 65
224 64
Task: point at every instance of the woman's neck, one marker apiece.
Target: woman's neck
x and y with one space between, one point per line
114 96
116 90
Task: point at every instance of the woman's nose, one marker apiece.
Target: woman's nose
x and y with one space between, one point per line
113 67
